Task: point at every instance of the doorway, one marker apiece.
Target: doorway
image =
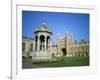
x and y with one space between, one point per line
64 51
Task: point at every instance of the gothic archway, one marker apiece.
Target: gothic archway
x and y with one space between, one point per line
48 42
64 51
42 44
36 38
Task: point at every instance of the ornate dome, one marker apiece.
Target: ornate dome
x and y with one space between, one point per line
43 28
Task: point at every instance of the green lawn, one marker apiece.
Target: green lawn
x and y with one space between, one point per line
65 62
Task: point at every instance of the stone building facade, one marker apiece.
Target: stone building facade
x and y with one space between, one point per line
67 46
41 47
27 46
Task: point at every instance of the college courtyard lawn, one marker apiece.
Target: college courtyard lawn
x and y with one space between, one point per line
62 62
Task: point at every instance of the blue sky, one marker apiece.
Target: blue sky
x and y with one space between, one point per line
75 23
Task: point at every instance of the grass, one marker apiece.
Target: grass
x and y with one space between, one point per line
64 62
67 61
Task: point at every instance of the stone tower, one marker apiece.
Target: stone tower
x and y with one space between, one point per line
63 44
68 42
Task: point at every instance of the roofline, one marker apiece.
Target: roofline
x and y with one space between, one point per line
43 31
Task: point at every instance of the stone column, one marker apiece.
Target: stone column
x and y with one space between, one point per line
34 44
50 45
38 43
45 42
